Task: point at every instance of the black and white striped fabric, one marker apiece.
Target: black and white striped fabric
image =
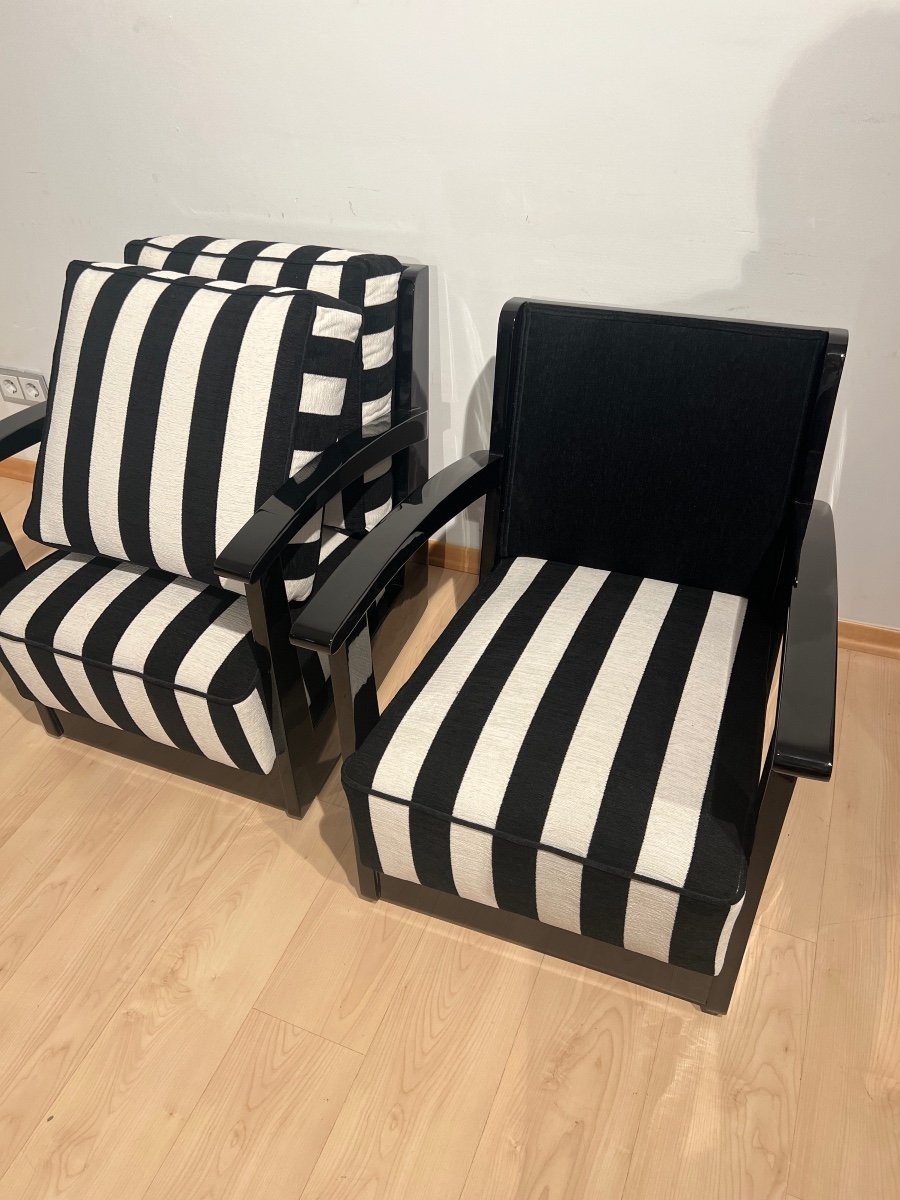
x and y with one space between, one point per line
368 281
138 648
179 404
581 747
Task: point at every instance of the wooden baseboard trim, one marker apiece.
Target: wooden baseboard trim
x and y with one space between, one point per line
869 639
852 635
454 558
18 468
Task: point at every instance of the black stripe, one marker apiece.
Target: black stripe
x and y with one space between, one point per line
695 936
231 734
45 619
100 644
238 261
46 663
142 418
183 256
164 702
282 420
92 358
104 685
206 440
630 788
359 770
539 763
443 768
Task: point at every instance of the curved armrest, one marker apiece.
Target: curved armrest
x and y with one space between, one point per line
22 429
332 613
804 725
273 525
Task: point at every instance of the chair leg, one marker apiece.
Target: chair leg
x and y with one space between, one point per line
49 720
773 809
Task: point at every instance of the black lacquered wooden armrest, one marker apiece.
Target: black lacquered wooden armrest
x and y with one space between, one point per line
22 429
804 727
339 605
273 525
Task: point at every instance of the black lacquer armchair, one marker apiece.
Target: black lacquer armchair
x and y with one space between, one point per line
576 763
227 421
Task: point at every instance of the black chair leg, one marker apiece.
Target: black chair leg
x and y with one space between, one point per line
49 720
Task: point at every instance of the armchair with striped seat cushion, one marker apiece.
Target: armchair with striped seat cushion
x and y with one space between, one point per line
578 763
195 430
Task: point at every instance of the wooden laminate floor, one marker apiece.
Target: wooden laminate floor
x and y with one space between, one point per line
195 1006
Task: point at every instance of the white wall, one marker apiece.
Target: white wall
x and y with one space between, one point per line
702 156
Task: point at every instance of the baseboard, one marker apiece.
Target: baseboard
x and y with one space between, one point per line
454 558
18 468
852 635
869 639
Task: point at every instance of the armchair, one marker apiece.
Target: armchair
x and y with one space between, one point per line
222 696
575 764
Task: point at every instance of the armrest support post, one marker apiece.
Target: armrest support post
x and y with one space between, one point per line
21 430
329 618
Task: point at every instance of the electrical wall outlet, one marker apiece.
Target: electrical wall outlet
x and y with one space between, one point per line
22 387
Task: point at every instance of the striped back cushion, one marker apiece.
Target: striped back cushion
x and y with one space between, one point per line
174 402
369 281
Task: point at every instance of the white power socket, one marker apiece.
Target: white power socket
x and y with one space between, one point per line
22 387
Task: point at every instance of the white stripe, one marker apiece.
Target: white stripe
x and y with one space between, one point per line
402 760
170 240
471 854
248 408
376 410
264 270
335 255
668 844
56 431
650 919
22 607
152 256
725 935
326 278
251 714
173 428
377 349
78 622
336 323
557 885
136 699
390 825
198 667
381 289
22 663
582 780
151 622
323 394
499 743
112 409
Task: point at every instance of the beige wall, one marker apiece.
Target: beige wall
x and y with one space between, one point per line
736 158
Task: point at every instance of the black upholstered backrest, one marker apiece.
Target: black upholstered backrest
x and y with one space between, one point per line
678 448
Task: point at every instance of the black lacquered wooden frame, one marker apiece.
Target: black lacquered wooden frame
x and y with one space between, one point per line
802 743
304 741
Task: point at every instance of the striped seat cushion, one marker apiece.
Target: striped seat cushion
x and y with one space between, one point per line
175 409
581 747
137 648
368 281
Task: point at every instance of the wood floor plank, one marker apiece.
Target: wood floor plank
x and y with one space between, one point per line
851 1074
61 997
414 1116
338 976
55 853
120 1112
722 1100
862 871
31 765
791 899
262 1121
566 1114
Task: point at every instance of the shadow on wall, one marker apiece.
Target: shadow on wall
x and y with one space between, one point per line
829 253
